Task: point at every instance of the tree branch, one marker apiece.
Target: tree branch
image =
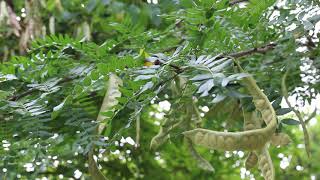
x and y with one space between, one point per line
261 50
312 115
297 113
30 91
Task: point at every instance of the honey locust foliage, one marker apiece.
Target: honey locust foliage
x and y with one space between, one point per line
87 94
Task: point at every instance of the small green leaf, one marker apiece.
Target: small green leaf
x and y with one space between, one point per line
94 75
201 77
107 113
236 94
87 81
103 68
283 111
276 103
57 109
143 77
78 89
290 121
207 86
219 98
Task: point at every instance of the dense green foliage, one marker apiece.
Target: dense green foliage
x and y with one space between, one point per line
55 67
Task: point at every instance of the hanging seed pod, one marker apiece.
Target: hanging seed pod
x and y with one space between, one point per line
265 164
251 121
253 138
280 139
163 133
251 160
159 139
110 99
202 163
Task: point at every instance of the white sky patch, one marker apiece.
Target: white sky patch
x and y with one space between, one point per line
159 115
240 154
29 167
130 141
281 3
77 174
243 173
291 27
55 135
116 152
243 5
157 123
313 121
285 162
164 105
317 27
302 49
56 163
274 15
123 140
299 168
205 109
307 108
280 155
227 154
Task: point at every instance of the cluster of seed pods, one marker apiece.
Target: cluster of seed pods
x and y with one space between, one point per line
252 139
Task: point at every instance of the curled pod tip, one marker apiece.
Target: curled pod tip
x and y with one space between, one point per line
251 160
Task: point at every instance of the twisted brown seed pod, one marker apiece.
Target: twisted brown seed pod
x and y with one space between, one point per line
202 163
265 164
163 133
251 160
263 157
251 122
109 101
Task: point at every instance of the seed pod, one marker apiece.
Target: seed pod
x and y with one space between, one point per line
110 99
229 141
280 139
265 164
159 139
202 163
251 160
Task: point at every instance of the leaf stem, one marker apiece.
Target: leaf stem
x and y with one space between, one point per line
297 113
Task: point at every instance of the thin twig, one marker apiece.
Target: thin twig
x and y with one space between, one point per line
138 131
297 113
234 2
262 50
312 115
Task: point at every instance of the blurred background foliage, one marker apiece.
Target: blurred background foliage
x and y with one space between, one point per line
56 56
